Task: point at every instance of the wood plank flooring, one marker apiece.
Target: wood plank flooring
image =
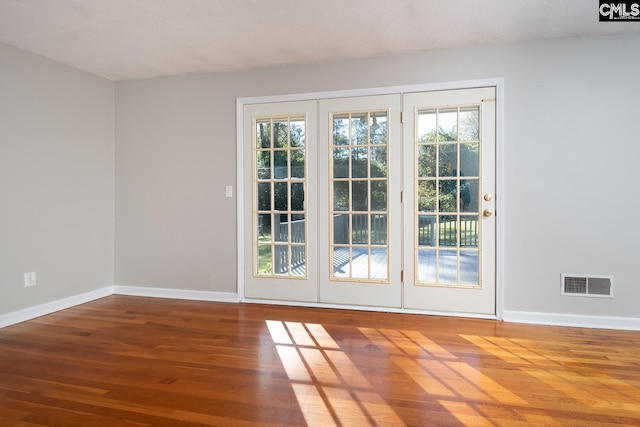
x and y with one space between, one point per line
133 361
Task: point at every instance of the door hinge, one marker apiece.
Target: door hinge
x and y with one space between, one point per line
402 197
401 276
402 117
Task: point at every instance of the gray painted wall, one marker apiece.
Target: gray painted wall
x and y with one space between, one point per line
175 154
56 180
571 146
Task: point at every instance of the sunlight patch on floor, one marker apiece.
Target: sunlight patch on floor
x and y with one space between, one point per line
329 388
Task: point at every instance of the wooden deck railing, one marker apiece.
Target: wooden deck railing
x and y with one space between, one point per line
360 231
298 238
362 234
447 232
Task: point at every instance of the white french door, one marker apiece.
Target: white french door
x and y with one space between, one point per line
449 181
281 201
360 227
344 204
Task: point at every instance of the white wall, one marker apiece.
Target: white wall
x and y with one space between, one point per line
571 146
56 180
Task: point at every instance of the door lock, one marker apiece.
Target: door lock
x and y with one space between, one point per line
487 213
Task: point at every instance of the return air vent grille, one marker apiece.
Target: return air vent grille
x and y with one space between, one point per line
587 285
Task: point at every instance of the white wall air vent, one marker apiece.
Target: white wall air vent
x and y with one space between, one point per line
587 285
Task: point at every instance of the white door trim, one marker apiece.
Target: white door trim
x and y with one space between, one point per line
498 83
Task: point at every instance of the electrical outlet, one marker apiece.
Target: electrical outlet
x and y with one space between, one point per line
30 279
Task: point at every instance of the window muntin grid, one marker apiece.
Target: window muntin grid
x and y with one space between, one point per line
358 188
447 193
279 186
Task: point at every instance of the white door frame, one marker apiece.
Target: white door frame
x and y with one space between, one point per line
498 83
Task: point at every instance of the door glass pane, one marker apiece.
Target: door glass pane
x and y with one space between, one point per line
447 195
264 164
341 163
340 196
360 262
469 195
447 267
341 227
447 189
469 268
281 259
279 188
448 160
342 260
469 124
359 190
359 162
264 260
360 229
426 196
298 136
426 126
281 196
360 195
379 263
264 196
281 229
263 134
426 161
447 231
469 232
280 163
378 162
281 133
426 266
379 230
469 159
297 163
427 231
264 227
378 128
298 226
379 195
447 124
359 129
341 129
298 260
297 197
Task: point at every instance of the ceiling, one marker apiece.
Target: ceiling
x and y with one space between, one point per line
132 39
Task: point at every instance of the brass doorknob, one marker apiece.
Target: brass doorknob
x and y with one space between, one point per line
487 213
487 197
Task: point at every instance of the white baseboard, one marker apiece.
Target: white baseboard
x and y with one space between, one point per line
574 320
176 294
53 306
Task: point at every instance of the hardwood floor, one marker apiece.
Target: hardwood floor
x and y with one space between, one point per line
133 361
